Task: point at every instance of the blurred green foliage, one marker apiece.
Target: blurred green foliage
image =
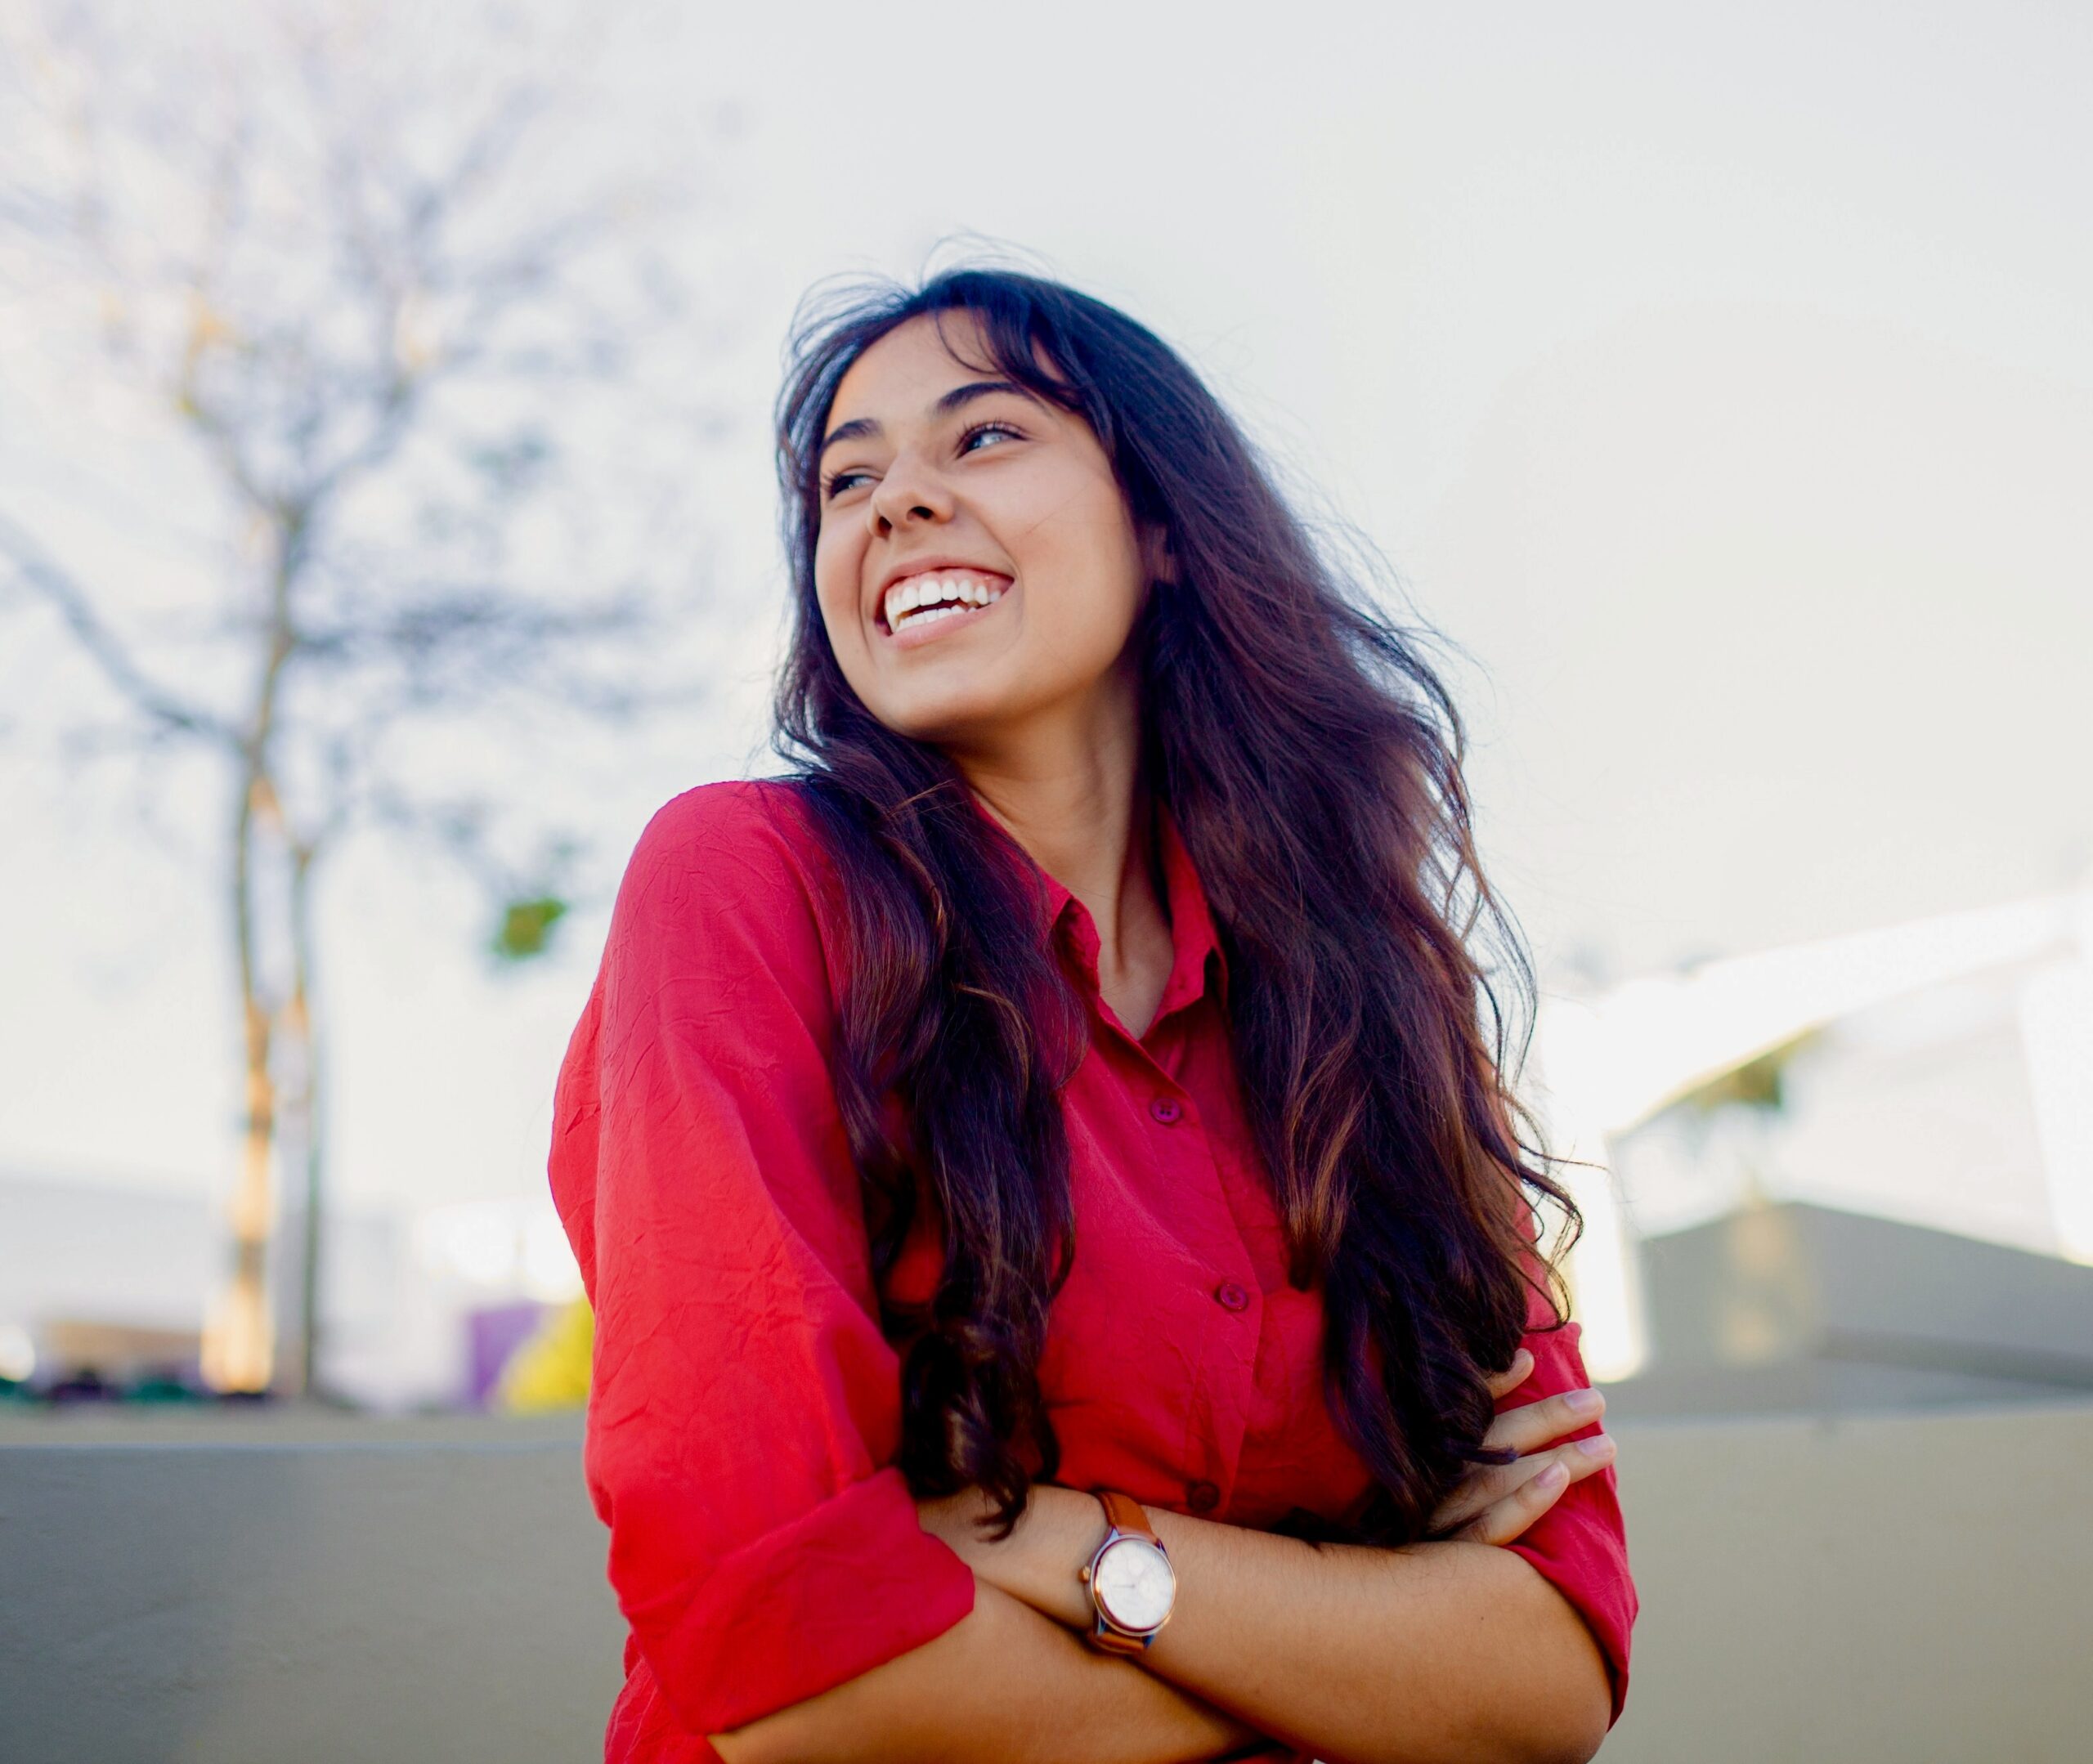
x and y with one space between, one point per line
527 926
1756 1084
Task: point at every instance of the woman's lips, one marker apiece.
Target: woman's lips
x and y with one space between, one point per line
914 633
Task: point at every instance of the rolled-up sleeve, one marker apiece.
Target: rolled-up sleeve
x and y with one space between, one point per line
1580 1544
745 1409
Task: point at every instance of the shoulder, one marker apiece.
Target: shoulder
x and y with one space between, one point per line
732 872
744 839
737 819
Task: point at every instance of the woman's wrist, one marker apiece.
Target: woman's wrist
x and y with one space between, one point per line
1041 1561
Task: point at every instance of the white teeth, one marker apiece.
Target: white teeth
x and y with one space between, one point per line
925 592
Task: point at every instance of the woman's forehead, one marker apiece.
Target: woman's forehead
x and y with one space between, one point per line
913 364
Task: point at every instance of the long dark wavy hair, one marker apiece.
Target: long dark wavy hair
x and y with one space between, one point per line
1311 760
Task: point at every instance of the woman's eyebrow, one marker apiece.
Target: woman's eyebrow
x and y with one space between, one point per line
866 428
858 428
974 389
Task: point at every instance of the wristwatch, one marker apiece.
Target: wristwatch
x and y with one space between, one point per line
1133 1586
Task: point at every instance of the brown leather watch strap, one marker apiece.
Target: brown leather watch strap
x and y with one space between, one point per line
1124 1513
1123 1516
1107 1641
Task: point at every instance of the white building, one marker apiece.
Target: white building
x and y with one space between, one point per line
1938 1074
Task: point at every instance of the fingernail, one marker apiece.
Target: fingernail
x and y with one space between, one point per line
1584 1402
1599 1445
1553 1477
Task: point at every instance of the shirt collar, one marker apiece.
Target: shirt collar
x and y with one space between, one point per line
1196 945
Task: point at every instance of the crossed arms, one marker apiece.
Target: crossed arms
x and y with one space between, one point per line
1451 1650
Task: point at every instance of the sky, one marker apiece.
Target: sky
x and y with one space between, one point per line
1722 388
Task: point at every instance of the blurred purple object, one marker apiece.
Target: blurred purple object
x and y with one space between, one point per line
494 1335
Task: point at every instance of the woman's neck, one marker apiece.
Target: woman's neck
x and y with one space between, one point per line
1078 808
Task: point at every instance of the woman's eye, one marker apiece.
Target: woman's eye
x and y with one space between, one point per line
841 483
966 441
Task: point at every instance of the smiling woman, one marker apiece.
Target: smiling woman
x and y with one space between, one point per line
1010 507
1066 1265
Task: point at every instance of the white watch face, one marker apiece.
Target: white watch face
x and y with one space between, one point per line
1135 1583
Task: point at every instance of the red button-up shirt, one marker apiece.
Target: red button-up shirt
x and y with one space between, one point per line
745 1415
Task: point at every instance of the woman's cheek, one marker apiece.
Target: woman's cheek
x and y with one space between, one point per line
839 613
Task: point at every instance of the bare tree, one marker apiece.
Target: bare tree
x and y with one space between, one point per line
382 279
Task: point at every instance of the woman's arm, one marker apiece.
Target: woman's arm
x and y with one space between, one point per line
1004 1683
1458 1651
1437 1651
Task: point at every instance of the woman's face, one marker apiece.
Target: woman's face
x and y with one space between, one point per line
944 486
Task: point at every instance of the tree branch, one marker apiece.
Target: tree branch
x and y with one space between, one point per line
50 582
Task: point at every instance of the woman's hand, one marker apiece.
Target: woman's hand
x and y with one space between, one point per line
1496 1503
1039 1561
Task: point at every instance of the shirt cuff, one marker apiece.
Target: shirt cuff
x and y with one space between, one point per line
845 1586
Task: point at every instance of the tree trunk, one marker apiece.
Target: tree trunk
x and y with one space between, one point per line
303 1138
240 1336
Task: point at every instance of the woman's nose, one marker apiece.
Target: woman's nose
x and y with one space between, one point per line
910 492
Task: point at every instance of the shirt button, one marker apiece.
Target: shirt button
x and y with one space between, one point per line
1202 1497
1231 1297
1166 1109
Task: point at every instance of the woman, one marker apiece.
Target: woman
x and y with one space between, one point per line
1065 1286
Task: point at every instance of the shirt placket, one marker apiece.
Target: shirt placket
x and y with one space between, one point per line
1221 1299
1225 1296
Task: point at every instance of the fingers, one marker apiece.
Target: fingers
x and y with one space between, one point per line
1540 1482
1502 1521
1503 1384
1534 1424
1487 1486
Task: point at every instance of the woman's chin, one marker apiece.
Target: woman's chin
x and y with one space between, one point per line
958 724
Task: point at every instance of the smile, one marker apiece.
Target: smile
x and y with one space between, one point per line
922 603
